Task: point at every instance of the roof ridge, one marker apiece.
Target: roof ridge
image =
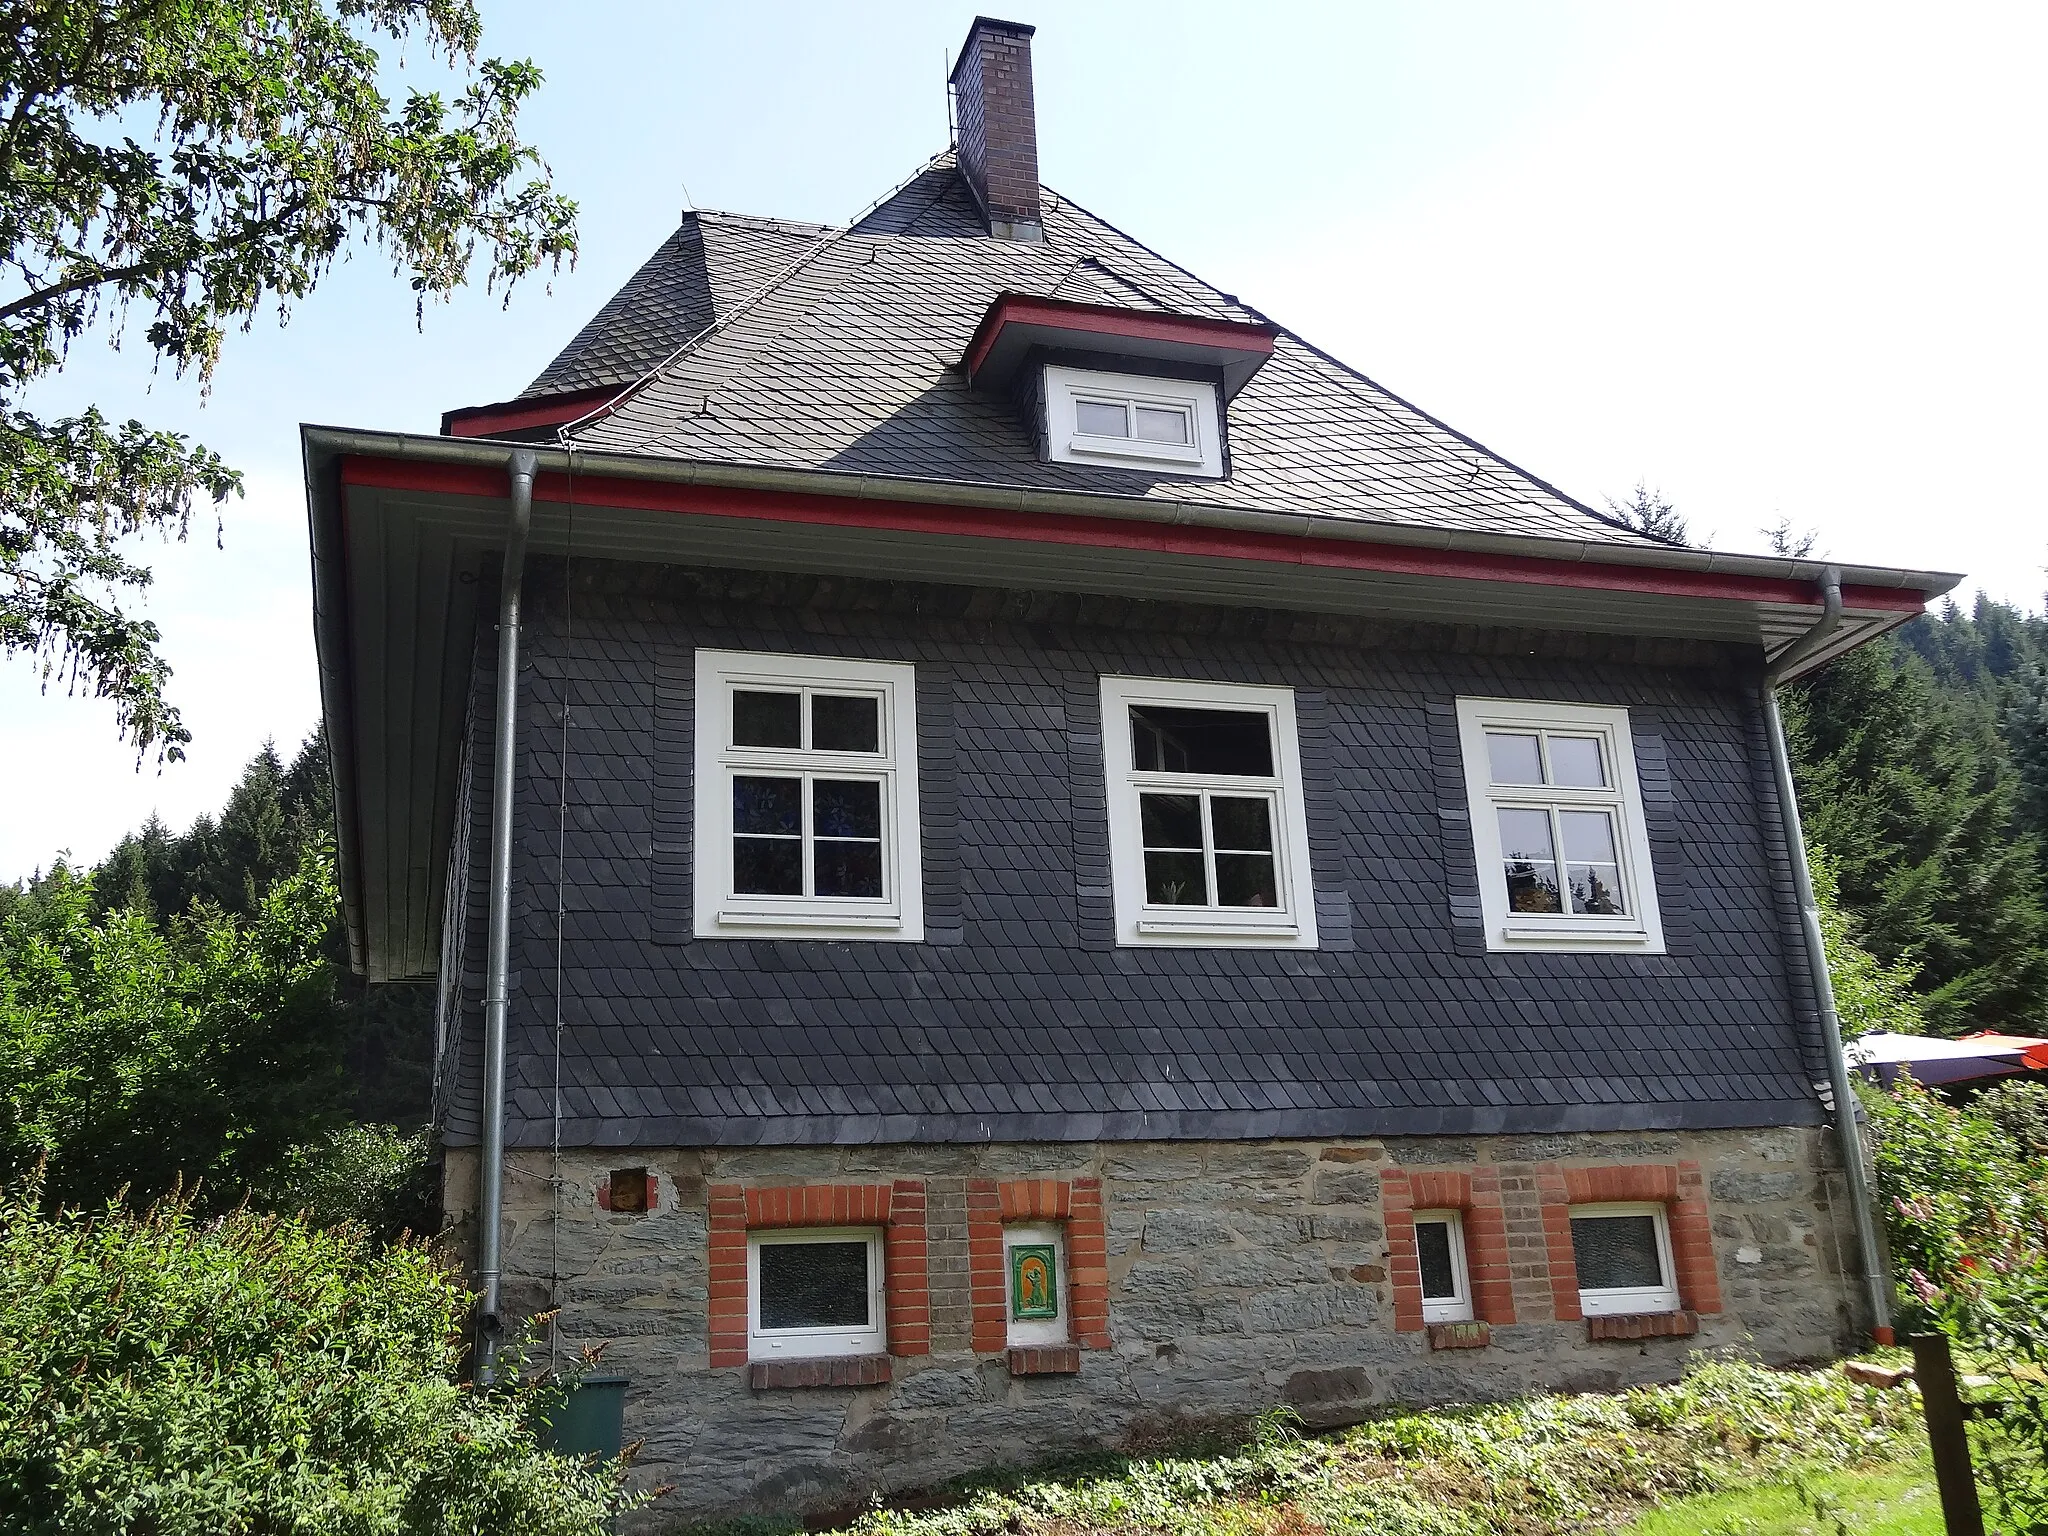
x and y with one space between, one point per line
829 235
759 220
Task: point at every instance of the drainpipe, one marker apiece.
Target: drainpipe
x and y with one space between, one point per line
490 1327
1874 1269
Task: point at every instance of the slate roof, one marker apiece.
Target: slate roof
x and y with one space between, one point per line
844 356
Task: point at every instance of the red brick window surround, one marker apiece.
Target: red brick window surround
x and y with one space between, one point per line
898 1209
1077 1203
1476 1198
1678 1187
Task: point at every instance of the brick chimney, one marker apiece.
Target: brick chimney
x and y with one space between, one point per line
997 138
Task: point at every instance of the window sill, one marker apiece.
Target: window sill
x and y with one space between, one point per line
811 925
1575 936
1127 449
826 1371
1045 1360
1465 1335
1627 1326
1164 931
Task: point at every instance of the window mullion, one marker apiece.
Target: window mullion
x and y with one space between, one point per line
1209 852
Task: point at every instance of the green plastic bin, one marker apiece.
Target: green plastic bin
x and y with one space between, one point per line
589 1418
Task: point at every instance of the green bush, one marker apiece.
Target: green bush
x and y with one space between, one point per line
367 1174
180 1376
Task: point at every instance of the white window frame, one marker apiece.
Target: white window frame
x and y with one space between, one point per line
721 912
1641 929
1292 924
817 1343
1636 1298
1038 1330
1065 388
1456 1307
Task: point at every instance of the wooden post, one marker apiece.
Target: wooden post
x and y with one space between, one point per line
1935 1370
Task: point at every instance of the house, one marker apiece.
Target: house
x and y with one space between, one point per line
1015 857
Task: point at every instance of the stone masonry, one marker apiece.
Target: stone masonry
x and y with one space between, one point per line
1239 1275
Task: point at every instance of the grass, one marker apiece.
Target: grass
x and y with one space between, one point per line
1540 1466
1883 1501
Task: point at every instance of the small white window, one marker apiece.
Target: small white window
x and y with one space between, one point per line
1440 1250
1623 1253
1557 825
1208 840
806 798
1035 1281
1132 420
815 1292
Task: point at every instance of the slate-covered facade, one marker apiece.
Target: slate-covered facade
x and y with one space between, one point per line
1030 926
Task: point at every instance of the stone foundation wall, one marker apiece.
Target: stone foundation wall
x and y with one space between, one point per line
1240 1276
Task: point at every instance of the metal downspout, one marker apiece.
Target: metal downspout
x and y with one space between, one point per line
1874 1270
490 1327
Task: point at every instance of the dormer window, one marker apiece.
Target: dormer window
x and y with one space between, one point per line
1132 421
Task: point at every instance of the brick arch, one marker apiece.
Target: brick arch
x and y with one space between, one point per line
1077 1202
1679 1187
1476 1197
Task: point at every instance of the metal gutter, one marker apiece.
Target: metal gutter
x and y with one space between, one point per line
523 467
1875 1273
869 487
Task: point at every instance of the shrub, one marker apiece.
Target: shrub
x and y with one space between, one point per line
169 1374
367 1174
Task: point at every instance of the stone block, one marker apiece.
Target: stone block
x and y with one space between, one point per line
1359 1186
1178 1231
1319 1306
1738 1187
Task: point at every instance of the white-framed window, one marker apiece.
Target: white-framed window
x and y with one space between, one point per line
1440 1252
1557 825
1208 839
806 796
1623 1253
1133 420
815 1291
1035 1284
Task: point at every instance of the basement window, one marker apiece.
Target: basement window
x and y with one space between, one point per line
1623 1254
814 1293
1440 1253
806 798
1132 421
1208 839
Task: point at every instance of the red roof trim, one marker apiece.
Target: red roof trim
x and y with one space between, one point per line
1106 533
518 415
1110 320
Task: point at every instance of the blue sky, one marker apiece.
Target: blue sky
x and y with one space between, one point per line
1779 261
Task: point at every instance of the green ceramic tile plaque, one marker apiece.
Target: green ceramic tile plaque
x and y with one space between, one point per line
1034 1282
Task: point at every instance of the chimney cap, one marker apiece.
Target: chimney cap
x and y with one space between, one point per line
991 24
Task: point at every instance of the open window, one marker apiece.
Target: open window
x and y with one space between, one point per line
1133 421
1208 838
806 798
1623 1254
1557 827
815 1293
1440 1254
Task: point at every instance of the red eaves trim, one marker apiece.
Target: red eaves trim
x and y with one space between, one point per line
517 415
1100 533
1109 320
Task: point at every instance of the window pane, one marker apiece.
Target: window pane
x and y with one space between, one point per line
1170 821
767 806
767 719
1616 1252
846 808
1168 740
1246 880
1176 880
814 1285
848 868
1099 420
1514 758
846 723
1531 862
768 866
1162 424
1242 823
1433 1247
1575 761
1591 869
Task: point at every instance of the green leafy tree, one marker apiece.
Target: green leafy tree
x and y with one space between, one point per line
1915 806
191 165
248 1376
1648 512
1870 996
137 1056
